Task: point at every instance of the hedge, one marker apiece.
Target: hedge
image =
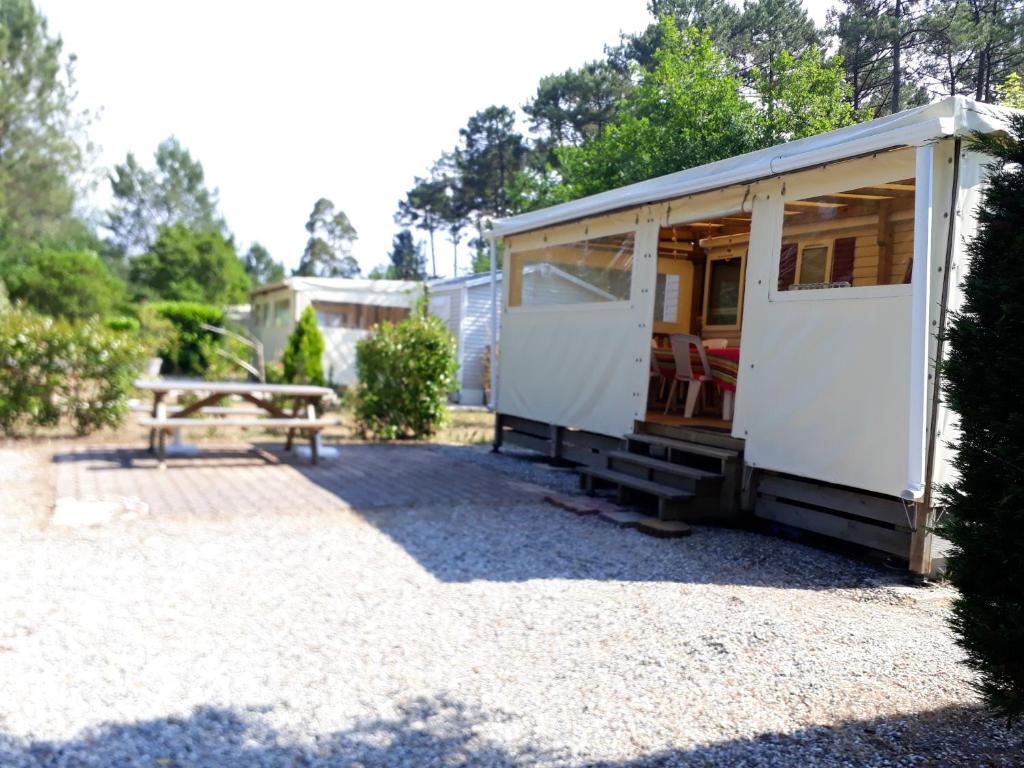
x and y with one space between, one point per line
52 369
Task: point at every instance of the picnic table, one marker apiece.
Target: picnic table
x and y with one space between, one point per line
291 406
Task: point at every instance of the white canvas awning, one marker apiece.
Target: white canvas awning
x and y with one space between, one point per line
955 116
380 293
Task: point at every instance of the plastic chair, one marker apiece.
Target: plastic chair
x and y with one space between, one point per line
681 344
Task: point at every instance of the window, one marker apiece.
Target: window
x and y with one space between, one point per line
725 277
859 237
599 270
282 315
327 317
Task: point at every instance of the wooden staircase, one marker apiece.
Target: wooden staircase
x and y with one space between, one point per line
685 474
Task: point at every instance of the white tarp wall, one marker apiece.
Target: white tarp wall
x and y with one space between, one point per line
581 365
827 388
972 176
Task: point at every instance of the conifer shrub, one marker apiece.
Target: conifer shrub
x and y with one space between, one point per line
406 371
982 383
303 356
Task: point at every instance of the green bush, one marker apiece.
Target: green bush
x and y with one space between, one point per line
405 373
190 350
303 356
52 368
73 284
123 323
985 506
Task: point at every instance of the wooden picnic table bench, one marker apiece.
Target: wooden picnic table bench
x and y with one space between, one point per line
301 417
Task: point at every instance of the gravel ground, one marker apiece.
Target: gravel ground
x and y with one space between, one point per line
465 636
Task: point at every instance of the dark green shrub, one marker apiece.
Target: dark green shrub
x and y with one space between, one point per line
73 284
190 350
985 507
51 368
303 356
405 373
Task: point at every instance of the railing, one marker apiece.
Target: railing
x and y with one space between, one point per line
258 370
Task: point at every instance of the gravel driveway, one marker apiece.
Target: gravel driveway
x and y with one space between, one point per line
460 634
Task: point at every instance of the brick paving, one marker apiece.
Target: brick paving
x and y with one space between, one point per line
229 480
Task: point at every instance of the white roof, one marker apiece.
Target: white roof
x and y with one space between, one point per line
470 281
383 293
955 116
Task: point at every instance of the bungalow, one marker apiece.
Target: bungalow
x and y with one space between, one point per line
795 296
346 310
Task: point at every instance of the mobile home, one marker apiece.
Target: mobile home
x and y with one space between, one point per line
464 304
346 310
793 296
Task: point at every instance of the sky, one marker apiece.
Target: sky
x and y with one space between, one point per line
284 103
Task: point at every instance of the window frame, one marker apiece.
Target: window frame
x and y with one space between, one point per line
705 325
800 190
803 245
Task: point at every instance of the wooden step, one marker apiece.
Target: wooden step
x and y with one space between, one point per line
683 446
660 465
634 482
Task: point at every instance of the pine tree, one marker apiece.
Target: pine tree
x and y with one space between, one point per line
985 507
303 356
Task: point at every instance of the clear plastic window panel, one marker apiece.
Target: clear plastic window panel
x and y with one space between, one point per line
849 239
598 270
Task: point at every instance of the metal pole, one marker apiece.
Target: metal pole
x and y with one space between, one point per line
921 287
494 325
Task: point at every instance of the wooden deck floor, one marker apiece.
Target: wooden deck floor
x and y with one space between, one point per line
677 419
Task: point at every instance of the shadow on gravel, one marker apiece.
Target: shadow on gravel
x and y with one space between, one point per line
442 732
462 518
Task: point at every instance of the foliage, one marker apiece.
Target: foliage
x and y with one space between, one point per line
686 112
53 368
971 47
303 355
124 323
329 248
41 136
189 265
985 506
260 266
146 202
719 18
406 371
427 206
406 258
1011 92
73 284
805 96
190 349
573 107
490 154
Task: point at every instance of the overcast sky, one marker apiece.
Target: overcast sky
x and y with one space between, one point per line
284 103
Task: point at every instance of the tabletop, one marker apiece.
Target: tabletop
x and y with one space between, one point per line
232 387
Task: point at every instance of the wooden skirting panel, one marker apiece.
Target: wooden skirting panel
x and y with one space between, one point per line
863 518
554 441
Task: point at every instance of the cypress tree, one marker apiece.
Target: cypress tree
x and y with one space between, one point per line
983 384
303 356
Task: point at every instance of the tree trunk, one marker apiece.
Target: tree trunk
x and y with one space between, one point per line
433 259
897 44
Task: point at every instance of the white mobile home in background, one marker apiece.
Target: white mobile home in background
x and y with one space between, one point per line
346 310
817 274
464 304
